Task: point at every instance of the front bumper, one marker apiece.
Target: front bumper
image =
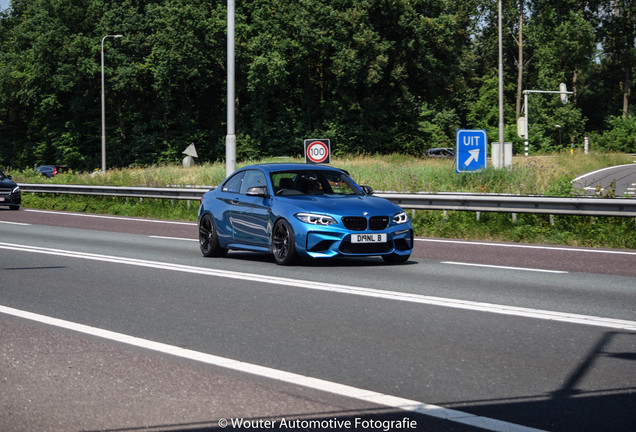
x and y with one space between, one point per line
327 244
10 198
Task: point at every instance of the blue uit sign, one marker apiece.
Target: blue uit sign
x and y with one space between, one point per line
471 151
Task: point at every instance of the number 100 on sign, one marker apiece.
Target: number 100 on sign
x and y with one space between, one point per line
317 151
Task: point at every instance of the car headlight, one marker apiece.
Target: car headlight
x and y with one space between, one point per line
315 219
15 189
400 218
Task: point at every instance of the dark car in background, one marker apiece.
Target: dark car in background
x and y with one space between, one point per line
441 152
9 192
51 170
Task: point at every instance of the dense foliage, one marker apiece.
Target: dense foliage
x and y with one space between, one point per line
374 76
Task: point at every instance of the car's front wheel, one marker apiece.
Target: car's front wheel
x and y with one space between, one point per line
284 246
209 238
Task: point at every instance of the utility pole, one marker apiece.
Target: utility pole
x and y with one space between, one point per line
500 154
230 138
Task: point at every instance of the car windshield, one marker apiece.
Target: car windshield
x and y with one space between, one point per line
2 176
313 182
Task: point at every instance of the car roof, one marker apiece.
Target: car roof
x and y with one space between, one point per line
271 167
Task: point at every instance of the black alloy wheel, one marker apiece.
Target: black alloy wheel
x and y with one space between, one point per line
209 239
283 243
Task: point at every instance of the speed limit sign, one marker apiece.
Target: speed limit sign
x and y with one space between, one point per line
317 151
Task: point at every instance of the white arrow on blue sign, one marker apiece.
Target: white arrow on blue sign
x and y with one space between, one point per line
472 150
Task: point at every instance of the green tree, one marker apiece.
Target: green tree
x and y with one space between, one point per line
617 34
166 79
359 70
43 80
560 35
372 75
620 134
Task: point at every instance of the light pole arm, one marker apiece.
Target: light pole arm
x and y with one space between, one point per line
525 109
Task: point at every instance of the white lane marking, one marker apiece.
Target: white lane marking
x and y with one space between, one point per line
280 375
342 289
503 267
112 217
15 223
524 246
173 238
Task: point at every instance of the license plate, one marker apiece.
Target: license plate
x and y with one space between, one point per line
368 238
1 199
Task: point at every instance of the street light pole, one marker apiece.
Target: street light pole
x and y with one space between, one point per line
499 158
104 104
230 138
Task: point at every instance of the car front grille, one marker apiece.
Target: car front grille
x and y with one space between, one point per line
359 223
378 222
355 223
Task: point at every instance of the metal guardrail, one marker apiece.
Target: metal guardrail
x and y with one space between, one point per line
115 191
619 207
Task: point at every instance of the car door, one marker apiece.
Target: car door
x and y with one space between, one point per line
250 215
228 197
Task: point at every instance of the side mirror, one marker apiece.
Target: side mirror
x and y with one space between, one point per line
367 190
259 191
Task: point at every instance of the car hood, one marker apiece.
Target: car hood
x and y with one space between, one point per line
342 204
7 184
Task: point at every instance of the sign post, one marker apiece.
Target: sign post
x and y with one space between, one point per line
317 151
471 151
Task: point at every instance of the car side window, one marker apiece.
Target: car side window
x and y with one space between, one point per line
234 183
252 178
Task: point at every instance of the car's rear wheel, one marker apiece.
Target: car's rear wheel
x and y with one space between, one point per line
209 238
284 246
395 258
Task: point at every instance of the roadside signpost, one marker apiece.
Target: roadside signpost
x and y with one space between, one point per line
317 151
471 150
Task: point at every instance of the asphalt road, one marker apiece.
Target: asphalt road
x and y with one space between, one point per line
617 180
466 336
